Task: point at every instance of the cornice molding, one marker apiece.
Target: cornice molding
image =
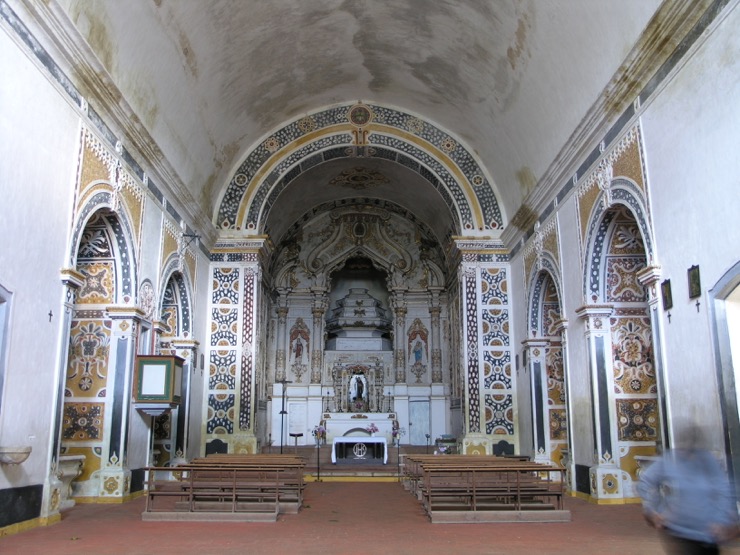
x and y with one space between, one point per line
50 26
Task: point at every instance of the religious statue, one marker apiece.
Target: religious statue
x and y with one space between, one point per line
357 388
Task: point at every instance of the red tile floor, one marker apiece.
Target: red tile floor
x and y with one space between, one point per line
341 517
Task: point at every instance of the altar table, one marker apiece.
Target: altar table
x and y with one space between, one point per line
371 445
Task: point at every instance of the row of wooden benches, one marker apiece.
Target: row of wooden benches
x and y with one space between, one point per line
450 485
226 487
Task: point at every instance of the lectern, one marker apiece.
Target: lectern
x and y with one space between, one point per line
157 383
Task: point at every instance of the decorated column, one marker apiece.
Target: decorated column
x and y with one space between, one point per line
649 277
186 349
282 326
537 360
605 474
318 312
399 334
486 349
115 477
435 311
560 328
57 494
235 325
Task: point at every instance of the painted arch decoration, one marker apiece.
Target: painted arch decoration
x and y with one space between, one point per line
359 130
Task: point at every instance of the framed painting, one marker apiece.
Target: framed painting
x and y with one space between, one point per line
694 282
665 291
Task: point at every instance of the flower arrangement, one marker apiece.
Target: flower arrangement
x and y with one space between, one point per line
372 428
398 432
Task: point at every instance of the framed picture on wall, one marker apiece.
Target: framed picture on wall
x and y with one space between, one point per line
694 282
665 290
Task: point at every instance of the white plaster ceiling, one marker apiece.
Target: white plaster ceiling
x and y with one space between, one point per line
511 79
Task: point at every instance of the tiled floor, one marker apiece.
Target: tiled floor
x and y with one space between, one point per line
340 517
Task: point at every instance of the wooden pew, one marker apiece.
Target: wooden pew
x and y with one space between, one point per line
486 489
227 487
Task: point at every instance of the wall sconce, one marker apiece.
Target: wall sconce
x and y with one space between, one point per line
694 284
14 455
157 384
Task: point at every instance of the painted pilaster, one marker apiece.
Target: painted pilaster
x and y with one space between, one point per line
537 361
236 330
435 310
282 326
561 328
245 440
115 476
399 334
474 442
648 278
187 350
605 475
318 312
490 386
56 496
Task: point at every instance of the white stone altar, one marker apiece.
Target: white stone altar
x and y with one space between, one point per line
359 440
340 424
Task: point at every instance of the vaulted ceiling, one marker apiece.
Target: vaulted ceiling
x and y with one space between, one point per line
517 82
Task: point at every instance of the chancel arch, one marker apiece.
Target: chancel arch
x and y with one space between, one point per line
359 134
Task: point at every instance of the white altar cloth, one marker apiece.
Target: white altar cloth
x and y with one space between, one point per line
358 439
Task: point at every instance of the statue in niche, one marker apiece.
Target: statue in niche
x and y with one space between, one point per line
358 393
299 343
418 346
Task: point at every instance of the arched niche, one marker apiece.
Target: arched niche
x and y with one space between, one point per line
359 306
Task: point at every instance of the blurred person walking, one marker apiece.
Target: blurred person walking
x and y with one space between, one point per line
686 495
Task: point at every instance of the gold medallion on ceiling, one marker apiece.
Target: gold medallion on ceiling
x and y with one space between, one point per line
415 125
272 144
359 178
448 145
307 124
360 115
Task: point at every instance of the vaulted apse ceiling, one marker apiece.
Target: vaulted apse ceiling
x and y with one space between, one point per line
511 79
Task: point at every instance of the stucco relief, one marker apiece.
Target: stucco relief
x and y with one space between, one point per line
394 244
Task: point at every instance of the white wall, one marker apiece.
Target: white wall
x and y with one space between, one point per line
691 137
39 133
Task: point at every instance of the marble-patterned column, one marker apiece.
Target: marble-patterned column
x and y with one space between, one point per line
537 361
115 477
486 349
475 442
605 475
236 329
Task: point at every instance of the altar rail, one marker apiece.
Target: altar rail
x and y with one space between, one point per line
486 489
226 488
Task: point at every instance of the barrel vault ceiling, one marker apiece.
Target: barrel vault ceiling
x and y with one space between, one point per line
520 83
